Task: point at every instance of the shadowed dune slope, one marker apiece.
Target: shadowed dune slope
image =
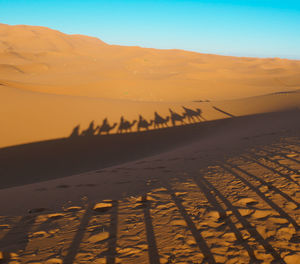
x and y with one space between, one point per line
52 159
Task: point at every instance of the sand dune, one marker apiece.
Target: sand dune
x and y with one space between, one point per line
218 183
85 66
50 82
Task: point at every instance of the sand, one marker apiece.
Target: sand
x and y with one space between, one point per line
223 188
51 82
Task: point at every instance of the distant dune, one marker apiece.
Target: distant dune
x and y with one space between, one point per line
49 61
50 82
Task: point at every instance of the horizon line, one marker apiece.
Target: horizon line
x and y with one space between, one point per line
176 49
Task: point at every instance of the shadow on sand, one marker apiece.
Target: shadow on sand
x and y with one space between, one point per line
46 160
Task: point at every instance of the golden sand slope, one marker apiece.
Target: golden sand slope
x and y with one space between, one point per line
50 82
44 60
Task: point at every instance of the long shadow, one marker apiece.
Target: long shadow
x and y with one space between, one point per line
223 112
287 149
270 186
252 231
113 232
151 240
281 212
73 249
213 201
282 155
270 169
208 256
52 159
277 163
18 237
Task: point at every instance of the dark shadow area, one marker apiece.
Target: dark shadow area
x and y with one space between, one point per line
151 240
113 231
223 112
52 159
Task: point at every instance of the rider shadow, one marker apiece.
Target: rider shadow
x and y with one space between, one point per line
193 116
175 117
125 125
105 127
90 131
75 132
159 121
143 123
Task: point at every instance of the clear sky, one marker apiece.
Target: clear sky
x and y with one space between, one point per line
259 28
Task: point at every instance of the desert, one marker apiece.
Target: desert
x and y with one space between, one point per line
123 154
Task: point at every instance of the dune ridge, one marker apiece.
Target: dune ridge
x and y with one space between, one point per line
50 82
86 66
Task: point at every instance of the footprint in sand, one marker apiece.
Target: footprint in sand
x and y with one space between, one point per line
37 210
63 186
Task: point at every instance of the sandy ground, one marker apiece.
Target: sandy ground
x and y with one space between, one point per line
227 197
222 189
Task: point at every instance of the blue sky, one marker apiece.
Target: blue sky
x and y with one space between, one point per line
265 28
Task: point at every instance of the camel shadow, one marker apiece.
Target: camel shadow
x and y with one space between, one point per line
105 127
143 123
175 117
125 125
193 116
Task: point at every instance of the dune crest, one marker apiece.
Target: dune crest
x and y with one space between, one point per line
86 66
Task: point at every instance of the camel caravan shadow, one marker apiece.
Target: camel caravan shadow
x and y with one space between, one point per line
85 151
189 115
